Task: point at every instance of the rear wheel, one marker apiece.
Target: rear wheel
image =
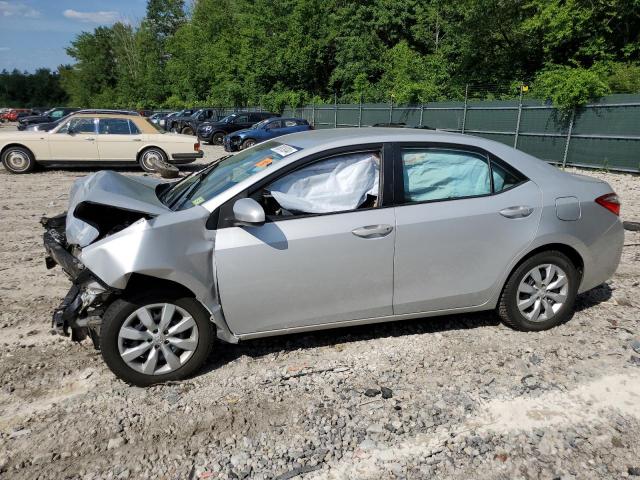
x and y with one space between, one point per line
18 160
540 293
248 143
150 158
154 338
187 131
217 138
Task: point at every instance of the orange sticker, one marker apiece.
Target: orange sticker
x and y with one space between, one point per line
265 162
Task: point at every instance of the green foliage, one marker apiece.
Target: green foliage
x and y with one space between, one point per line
570 87
39 89
289 52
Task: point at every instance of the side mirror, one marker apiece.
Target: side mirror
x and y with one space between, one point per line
70 130
247 212
201 117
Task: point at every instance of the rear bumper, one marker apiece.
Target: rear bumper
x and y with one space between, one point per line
179 158
231 145
605 255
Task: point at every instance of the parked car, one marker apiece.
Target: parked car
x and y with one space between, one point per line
171 118
264 130
325 229
13 114
188 124
96 139
45 127
159 118
47 117
214 132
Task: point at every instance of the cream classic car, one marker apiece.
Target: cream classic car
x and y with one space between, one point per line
96 139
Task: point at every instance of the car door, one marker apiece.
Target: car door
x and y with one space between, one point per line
74 141
462 217
242 121
118 140
303 269
274 129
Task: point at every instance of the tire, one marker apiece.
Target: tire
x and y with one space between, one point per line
187 131
248 143
148 158
217 138
18 160
529 290
123 336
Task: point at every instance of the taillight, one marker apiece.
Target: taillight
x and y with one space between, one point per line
196 147
611 202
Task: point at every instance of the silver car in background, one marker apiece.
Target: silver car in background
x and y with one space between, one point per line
324 229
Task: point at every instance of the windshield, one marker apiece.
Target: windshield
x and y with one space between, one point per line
228 118
224 174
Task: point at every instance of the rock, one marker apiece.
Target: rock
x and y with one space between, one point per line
386 392
375 428
19 433
635 345
634 471
115 442
371 392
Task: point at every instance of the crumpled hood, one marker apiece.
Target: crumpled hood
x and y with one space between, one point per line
128 193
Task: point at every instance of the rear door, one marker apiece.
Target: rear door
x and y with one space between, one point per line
303 269
118 140
462 217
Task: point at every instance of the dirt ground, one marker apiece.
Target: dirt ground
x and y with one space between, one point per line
466 398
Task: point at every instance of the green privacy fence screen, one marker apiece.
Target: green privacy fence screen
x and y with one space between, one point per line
603 134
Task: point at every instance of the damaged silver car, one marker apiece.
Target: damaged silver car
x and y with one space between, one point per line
325 229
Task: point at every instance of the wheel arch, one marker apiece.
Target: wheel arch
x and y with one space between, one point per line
17 144
147 147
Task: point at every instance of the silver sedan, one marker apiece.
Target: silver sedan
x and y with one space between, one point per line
325 229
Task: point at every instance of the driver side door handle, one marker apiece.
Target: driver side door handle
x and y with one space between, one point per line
373 231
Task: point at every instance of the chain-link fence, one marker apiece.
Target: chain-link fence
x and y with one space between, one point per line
604 134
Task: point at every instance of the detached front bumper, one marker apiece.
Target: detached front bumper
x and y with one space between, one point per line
87 294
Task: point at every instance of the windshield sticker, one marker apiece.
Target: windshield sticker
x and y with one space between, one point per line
284 150
264 162
197 201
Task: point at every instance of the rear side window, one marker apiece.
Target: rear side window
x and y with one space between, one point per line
290 123
504 178
431 174
114 126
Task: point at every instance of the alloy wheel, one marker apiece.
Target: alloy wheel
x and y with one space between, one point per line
157 339
542 292
17 160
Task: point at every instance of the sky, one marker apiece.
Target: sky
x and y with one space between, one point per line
35 33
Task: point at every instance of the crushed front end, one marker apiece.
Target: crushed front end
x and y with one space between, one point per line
80 313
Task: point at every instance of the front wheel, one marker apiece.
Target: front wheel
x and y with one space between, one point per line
18 160
155 338
248 143
540 293
187 131
217 138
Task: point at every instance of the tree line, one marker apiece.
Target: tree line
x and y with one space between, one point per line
290 52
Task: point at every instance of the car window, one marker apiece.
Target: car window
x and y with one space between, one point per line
79 125
242 119
290 123
57 114
440 174
504 178
274 124
225 174
114 126
337 184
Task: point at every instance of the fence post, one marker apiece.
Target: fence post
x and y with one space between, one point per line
313 114
421 113
360 112
515 140
391 111
464 115
335 110
566 146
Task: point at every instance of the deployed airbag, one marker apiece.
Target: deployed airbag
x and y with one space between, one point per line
438 175
334 185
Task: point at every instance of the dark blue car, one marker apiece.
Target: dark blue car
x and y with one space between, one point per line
265 130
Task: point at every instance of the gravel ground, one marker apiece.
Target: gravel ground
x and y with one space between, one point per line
447 397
